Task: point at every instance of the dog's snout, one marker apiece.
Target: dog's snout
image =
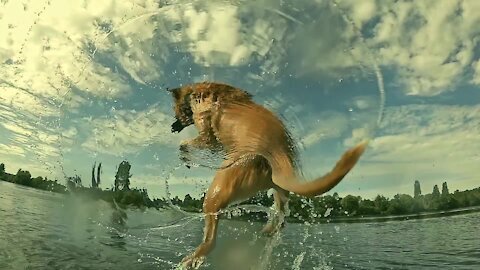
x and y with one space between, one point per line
177 126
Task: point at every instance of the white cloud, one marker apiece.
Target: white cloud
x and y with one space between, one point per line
431 143
25 101
431 43
12 150
476 74
326 125
219 35
49 45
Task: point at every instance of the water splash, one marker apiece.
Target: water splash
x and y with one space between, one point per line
297 263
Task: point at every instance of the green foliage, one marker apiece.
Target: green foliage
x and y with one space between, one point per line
317 209
261 198
351 204
23 178
381 204
74 181
435 192
367 208
445 189
322 208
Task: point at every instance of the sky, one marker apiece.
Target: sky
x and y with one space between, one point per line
84 82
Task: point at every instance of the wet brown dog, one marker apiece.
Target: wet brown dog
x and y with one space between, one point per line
228 119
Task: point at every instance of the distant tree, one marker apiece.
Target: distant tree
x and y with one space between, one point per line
367 207
332 201
187 201
2 169
176 200
351 204
122 177
445 189
99 171
401 204
435 192
381 203
447 202
94 181
74 182
261 198
416 190
23 178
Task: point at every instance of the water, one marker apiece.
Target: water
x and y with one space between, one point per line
41 230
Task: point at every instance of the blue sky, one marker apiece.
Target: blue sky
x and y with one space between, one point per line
84 82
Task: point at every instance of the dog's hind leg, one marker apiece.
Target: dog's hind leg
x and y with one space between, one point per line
277 220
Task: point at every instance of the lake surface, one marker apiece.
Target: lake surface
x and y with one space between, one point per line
42 230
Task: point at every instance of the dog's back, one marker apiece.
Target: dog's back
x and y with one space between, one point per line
246 128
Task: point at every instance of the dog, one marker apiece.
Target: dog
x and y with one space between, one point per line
260 154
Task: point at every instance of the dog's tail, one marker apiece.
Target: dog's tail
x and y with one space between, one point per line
283 174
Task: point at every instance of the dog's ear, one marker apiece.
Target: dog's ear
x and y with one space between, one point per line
176 92
247 95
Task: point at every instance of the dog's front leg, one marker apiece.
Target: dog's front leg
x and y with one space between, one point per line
186 148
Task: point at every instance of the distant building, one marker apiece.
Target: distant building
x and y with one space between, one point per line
445 189
417 191
436 192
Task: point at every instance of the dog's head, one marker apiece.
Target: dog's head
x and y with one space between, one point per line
202 96
183 111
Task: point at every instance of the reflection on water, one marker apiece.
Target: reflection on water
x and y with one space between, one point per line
40 230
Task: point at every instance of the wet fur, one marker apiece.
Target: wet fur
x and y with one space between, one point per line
227 118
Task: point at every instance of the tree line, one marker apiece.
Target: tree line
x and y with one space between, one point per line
301 209
25 178
325 207
120 192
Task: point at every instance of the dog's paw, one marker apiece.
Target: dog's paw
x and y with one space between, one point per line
192 262
271 229
268 229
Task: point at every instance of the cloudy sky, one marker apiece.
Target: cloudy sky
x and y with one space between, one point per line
83 82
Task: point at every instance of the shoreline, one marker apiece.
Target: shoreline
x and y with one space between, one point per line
368 219
424 215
